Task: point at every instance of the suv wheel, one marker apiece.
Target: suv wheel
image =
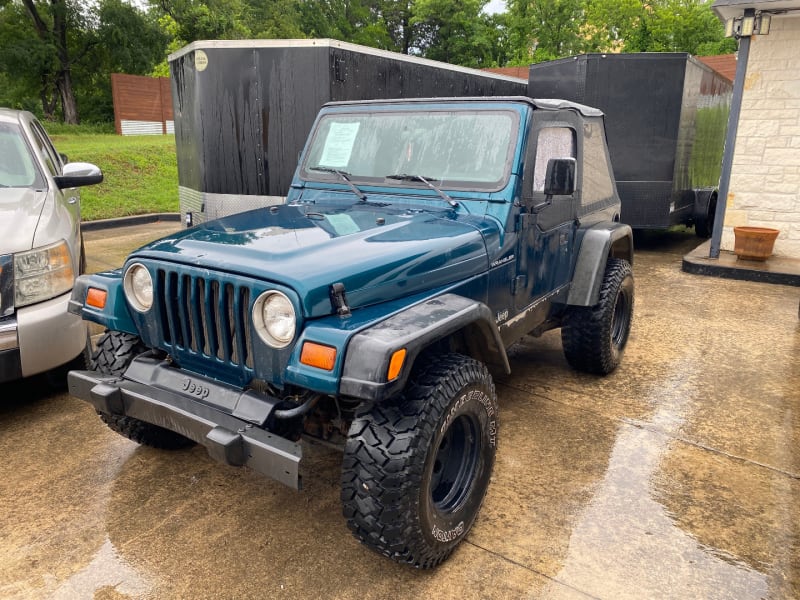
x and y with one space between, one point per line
416 468
115 351
595 337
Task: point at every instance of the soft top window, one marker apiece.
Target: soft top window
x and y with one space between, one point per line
458 149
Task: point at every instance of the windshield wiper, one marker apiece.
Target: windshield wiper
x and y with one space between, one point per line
427 181
344 176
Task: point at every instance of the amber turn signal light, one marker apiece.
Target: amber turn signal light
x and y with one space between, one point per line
396 364
318 355
96 298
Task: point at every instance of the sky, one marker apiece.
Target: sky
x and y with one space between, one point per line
495 6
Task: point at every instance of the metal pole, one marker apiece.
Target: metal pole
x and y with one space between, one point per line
730 141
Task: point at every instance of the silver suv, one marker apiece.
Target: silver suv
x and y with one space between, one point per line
41 249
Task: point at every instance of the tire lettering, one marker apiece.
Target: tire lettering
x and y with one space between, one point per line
469 396
493 433
449 535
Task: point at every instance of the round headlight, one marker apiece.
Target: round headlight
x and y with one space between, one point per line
274 319
138 287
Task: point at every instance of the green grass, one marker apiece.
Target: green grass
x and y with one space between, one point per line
140 172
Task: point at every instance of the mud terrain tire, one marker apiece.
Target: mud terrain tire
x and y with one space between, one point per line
115 351
594 337
416 468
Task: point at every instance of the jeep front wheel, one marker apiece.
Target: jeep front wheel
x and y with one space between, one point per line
594 337
416 468
115 351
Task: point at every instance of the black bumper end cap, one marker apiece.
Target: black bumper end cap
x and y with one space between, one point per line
225 446
107 399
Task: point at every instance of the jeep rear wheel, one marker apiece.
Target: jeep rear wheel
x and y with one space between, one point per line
416 468
594 337
115 351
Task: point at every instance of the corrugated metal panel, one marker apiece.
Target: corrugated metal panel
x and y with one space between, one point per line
170 126
141 127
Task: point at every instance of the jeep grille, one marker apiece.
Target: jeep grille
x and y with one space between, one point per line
204 317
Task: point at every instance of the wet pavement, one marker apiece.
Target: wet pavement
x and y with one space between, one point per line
678 476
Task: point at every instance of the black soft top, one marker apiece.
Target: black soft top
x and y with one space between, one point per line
539 103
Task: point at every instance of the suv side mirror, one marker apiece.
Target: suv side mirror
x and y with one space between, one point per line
559 180
78 174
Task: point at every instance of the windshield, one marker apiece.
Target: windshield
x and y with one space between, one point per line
17 166
457 149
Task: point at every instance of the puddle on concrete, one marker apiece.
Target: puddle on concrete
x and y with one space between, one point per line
627 544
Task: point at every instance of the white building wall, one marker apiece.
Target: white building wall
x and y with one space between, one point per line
765 177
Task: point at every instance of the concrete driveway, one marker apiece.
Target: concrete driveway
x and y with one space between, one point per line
676 477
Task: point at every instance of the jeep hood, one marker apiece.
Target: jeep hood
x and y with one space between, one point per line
377 252
20 210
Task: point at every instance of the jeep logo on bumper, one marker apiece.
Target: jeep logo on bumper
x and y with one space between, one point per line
195 389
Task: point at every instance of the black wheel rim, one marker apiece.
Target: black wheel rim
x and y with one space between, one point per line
619 323
455 464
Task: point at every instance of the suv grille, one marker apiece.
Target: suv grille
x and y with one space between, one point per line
205 318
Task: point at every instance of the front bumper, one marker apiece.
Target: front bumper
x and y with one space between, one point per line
152 392
40 337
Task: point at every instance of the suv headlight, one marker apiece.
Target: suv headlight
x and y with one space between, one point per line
42 273
274 319
138 286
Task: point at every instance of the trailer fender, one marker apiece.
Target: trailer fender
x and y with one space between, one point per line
370 352
705 204
600 242
702 201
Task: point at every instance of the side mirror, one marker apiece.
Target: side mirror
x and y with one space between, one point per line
559 180
78 174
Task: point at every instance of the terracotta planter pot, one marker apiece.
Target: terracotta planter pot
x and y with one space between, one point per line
754 243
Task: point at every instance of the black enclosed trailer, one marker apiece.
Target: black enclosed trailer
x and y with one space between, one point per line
243 109
666 116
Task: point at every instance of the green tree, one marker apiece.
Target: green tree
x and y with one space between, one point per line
206 19
397 15
58 54
655 26
545 29
685 26
129 40
41 42
278 19
357 21
454 32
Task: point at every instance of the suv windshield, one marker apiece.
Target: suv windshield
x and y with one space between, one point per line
457 149
17 166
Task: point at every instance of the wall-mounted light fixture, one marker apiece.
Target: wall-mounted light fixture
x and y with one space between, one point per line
746 26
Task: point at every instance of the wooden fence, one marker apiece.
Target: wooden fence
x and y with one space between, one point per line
142 105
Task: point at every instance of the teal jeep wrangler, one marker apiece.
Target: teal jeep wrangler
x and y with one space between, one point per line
420 239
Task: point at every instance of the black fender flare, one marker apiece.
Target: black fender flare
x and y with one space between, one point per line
366 362
599 243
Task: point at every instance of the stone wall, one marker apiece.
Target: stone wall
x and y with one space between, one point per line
765 178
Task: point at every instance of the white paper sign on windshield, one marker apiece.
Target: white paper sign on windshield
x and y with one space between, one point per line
339 145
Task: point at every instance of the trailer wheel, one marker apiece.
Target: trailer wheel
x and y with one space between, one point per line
594 337
115 351
416 468
704 225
